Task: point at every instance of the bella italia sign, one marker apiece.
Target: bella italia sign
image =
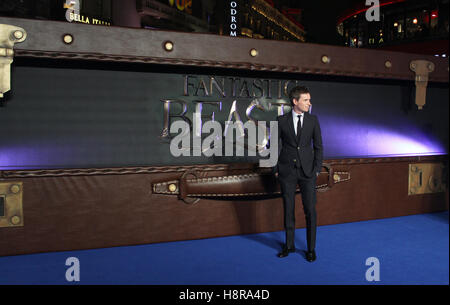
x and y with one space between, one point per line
73 14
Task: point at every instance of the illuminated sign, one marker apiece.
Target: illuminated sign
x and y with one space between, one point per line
73 14
87 20
182 5
233 14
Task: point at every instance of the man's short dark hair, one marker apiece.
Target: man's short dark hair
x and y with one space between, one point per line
296 92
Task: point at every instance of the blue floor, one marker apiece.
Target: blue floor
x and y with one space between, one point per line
410 250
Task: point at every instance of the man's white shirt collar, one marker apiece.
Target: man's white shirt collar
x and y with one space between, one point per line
295 115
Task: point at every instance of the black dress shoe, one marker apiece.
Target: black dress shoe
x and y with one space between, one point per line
311 256
285 252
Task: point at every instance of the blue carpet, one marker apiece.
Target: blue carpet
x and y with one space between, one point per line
410 250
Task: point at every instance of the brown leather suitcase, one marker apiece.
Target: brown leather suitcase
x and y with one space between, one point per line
85 156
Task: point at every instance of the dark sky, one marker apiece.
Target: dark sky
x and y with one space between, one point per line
319 18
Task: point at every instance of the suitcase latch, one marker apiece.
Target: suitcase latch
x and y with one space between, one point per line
9 35
422 68
11 210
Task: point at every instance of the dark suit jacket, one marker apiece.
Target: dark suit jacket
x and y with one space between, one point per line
308 152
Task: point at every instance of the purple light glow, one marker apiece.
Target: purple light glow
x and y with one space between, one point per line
390 142
342 138
35 157
349 138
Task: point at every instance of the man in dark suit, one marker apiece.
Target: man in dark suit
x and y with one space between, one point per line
299 162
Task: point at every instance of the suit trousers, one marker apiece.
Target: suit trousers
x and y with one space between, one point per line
308 195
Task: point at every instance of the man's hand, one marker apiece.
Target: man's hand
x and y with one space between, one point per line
317 174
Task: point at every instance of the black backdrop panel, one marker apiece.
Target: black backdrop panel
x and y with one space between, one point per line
74 117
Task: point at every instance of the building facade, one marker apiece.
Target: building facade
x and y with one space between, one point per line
262 19
404 25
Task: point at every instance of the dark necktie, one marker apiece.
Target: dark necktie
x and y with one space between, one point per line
299 127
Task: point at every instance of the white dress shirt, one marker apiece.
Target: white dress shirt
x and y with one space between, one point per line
295 119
